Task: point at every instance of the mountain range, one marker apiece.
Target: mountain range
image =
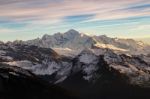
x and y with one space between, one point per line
71 43
92 67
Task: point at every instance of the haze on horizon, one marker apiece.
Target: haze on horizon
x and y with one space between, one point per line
28 19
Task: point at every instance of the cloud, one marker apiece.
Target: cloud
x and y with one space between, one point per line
5 30
143 27
56 14
28 10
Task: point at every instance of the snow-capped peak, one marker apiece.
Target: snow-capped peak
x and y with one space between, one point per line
72 32
87 57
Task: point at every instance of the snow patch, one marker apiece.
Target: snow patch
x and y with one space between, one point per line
87 58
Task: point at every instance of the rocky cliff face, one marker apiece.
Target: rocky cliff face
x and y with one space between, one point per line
97 75
44 61
17 83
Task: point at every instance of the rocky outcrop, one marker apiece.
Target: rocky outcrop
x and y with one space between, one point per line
17 83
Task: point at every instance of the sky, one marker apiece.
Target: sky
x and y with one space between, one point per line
28 19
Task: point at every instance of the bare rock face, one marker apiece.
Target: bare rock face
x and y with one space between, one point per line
17 83
88 74
45 61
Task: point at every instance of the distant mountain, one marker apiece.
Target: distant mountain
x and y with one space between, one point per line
72 43
145 40
71 39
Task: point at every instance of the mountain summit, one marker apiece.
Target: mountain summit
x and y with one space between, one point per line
72 32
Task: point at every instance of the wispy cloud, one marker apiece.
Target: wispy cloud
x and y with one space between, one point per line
50 9
5 30
48 14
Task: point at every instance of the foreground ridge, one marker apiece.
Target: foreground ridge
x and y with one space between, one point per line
100 75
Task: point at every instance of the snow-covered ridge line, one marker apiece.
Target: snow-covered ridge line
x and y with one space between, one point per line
76 42
46 62
72 42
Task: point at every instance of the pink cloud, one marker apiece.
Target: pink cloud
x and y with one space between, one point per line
22 10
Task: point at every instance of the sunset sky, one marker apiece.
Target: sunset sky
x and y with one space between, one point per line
28 19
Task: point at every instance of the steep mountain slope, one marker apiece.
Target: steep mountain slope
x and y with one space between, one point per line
89 75
72 43
55 68
41 61
17 83
109 76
